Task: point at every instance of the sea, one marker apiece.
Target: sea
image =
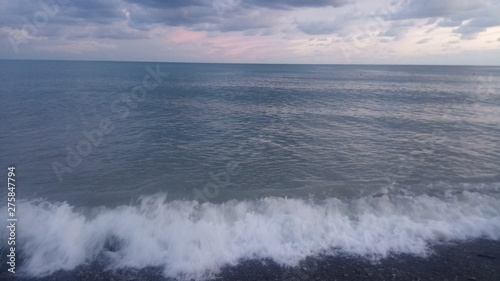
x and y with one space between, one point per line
189 168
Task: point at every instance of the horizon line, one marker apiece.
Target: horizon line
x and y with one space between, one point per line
251 63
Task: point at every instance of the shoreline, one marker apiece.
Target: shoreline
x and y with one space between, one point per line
477 259
470 260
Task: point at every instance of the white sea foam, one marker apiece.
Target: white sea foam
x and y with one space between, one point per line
192 240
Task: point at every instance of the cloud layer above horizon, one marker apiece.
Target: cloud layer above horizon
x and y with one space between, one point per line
280 31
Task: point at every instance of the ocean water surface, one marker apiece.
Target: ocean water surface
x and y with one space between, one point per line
192 167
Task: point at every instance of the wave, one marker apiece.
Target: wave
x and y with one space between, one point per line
193 240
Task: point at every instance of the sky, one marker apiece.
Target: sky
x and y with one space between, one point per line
456 32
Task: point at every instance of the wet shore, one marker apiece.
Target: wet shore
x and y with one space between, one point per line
471 260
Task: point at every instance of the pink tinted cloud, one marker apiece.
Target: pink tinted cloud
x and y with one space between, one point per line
182 35
228 46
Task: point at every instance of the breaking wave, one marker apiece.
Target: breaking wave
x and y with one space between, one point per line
194 240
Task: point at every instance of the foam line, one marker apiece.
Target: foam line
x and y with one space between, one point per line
192 240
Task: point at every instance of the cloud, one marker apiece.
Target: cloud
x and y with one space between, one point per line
117 31
251 20
397 29
431 21
413 9
125 19
220 15
96 11
288 4
318 27
191 29
170 3
423 41
468 17
275 4
341 23
479 23
450 23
